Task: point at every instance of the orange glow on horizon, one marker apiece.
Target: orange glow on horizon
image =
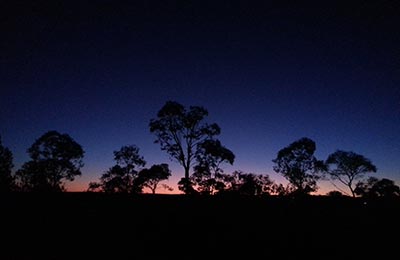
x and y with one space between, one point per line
81 186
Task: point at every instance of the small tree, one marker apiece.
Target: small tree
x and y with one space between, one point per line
94 187
180 132
299 166
150 178
375 187
6 165
346 167
334 193
208 174
55 158
122 177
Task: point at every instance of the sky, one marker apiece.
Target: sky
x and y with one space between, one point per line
268 72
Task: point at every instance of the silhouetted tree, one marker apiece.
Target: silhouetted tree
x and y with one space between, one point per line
166 187
122 177
208 175
375 187
347 167
249 184
281 190
150 178
94 187
55 158
180 132
6 165
334 193
186 185
299 166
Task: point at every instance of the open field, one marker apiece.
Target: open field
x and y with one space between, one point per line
92 225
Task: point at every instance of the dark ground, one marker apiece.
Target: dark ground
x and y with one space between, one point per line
92 226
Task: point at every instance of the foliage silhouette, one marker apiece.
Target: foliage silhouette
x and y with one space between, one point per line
334 193
186 185
94 187
7 181
180 132
248 184
122 177
208 175
299 166
346 167
150 178
375 187
55 158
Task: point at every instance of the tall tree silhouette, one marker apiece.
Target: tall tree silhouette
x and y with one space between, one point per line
55 158
375 187
208 174
150 178
6 165
180 132
299 166
346 167
122 177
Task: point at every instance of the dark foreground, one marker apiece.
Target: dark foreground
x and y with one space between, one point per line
90 226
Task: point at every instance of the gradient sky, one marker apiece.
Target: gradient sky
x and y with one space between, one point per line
269 73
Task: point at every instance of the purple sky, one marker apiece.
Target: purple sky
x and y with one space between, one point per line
268 74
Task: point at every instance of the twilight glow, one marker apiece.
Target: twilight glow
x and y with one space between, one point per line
268 75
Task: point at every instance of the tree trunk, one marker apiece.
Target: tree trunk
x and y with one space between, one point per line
187 173
352 191
187 185
351 188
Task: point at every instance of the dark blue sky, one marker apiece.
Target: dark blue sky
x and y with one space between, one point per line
269 72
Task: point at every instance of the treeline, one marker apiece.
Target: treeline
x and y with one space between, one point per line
189 140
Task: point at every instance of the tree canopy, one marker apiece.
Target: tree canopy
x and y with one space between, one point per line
6 165
180 132
375 187
150 178
249 184
346 167
208 175
55 158
299 166
122 177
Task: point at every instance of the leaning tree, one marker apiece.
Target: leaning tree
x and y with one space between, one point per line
346 167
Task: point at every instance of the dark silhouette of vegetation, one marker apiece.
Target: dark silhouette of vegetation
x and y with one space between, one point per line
55 158
189 140
334 193
150 178
181 132
299 166
95 187
281 190
186 185
122 177
346 167
6 165
249 184
375 187
208 175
